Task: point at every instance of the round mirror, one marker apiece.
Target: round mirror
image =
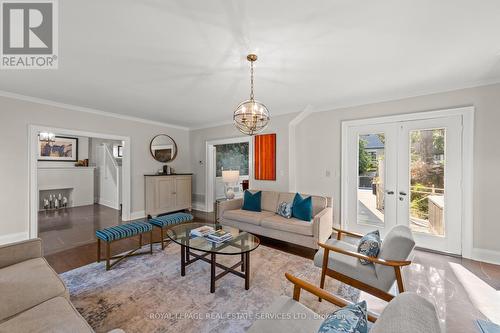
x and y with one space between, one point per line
163 148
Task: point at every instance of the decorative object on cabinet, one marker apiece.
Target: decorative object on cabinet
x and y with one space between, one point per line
265 157
229 178
60 149
163 148
167 193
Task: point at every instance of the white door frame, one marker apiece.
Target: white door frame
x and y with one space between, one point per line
33 174
210 169
467 114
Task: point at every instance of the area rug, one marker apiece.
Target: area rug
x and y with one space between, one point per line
148 294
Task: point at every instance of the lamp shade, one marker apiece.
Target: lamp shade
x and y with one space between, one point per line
230 176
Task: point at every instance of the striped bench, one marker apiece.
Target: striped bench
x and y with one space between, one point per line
115 233
164 221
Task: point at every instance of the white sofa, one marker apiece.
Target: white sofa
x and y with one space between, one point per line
269 224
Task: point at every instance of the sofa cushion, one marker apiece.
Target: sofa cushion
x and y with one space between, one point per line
55 315
246 216
269 200
27 284
252 201
284 209
347 265
318 203
286 315
293 225
302 208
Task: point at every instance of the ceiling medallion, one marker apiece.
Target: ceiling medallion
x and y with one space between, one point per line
251 116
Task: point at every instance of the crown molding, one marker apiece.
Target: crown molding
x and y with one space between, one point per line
86 110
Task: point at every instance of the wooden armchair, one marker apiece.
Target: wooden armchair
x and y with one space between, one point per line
340 260
408 313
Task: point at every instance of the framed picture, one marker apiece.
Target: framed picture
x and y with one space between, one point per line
265 157
63 149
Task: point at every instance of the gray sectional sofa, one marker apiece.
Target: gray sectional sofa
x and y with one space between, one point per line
269 224
33 296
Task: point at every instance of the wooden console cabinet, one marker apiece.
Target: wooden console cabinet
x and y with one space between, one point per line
167 193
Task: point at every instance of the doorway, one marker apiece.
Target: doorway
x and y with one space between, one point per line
227 154
407 170
79 182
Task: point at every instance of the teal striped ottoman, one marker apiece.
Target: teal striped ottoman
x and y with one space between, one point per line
165 221
118 232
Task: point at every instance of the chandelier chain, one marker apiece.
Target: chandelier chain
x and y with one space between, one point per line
251 81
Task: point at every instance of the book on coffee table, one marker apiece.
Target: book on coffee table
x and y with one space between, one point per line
219 236
202 231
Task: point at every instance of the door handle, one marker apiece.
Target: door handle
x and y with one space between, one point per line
389 192
402 193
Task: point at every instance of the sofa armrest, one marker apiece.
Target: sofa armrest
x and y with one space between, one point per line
229 205
14 253
322 224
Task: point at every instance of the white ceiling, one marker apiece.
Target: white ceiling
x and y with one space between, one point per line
183 62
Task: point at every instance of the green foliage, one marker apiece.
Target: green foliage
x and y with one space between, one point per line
419 204
232 156
364 159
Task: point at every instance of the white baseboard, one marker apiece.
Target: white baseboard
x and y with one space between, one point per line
199 206
108 203
137 215
15 237
489 256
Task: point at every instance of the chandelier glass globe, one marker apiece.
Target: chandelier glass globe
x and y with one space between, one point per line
251 116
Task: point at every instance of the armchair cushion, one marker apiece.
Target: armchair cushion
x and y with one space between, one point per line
302 208
347 265
397 245
251 201
349 319
369 245
409 313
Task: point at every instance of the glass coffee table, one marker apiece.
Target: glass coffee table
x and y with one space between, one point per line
242 243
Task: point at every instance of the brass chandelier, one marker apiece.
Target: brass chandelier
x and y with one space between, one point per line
251 116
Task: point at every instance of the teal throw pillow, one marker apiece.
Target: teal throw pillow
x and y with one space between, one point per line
349 319
302 208
252 201
369 245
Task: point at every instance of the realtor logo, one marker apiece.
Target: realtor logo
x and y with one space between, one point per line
29 34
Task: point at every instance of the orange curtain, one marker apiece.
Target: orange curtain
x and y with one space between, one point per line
265 157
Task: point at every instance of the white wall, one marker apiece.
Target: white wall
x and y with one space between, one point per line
198 139
319 149
15 118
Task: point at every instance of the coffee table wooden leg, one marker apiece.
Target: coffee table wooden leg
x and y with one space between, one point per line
183 260
212 273
247 270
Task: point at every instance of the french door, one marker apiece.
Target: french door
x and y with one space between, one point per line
405 172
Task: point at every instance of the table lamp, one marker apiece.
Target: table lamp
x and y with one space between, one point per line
230 177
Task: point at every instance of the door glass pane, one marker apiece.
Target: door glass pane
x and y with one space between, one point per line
371 178
427 163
